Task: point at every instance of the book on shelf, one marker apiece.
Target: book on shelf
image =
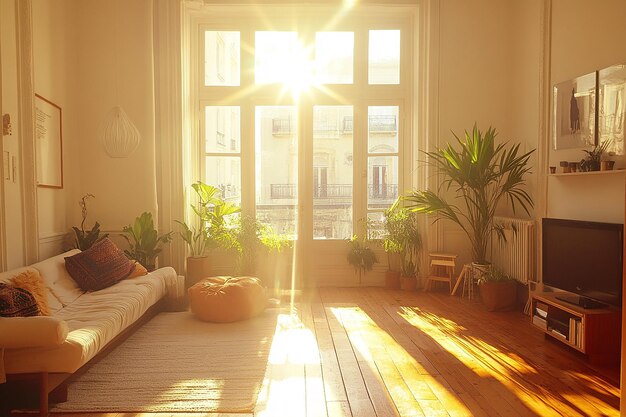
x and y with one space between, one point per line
558 334
541 309
540 322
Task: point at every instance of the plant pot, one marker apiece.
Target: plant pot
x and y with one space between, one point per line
198 268
392 280
408 283
498 295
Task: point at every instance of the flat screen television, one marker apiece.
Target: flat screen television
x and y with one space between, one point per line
583 258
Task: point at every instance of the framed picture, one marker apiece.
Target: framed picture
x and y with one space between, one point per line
49 143
612 92
574 113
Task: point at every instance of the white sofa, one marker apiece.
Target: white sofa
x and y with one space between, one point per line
51 348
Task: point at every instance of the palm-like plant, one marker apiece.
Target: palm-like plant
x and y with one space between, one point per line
481 174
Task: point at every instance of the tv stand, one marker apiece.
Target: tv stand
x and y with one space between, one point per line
581 301
593 331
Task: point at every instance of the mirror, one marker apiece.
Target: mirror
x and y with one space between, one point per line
612 91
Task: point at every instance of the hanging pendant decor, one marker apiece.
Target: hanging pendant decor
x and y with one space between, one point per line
120 137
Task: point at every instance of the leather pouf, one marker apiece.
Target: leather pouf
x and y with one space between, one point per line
227 299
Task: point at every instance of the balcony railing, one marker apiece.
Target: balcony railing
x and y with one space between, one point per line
282 126
335 191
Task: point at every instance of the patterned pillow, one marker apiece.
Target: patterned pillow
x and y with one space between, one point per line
17 302
100 266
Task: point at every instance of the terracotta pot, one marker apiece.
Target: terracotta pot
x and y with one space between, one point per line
498 295
198 268
408 283
392 280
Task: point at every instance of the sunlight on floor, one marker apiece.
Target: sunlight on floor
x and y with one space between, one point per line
509 369
283 392
370 341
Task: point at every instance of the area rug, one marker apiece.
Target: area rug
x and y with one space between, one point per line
176 363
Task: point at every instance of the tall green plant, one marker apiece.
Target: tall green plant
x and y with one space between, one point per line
481 174
144 241
254 237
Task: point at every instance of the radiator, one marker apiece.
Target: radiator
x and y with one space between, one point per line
516 256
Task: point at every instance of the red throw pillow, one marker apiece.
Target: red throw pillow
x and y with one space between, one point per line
17 302
100 266
227 299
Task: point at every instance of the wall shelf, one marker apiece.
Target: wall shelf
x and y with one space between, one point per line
574 174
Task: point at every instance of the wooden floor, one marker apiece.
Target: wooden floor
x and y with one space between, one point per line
365 352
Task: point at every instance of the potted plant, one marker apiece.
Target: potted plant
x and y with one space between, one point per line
393 244
360 255
253 237
144 241
411 250
480 174
594 156
84 239
497 290
213 229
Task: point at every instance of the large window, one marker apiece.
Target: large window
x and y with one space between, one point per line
305 127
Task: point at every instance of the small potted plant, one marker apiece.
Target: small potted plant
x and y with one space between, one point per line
411 252
144 241
360 255
84 239
594 156
393 244
497 290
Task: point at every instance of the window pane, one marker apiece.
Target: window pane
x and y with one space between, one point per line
382 181
334 57
376 225
224 172
222 131
332 173
221 58
384 57
382 128
276 56
276 177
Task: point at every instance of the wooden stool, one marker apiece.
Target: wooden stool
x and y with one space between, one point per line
442 268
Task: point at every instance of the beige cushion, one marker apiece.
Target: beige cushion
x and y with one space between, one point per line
57 279
37 331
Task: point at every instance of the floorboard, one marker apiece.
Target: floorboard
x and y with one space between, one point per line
372 352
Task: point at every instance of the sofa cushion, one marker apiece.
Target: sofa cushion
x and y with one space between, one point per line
100 266
17 302
139 270
62 288
31 281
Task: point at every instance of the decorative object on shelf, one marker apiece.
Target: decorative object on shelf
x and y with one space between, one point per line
574 107
565 167
49 137
573 166
83 239
552 170
120 136
607 165
594 156
479 175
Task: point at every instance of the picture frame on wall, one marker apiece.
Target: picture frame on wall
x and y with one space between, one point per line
574 113
611 105
49 143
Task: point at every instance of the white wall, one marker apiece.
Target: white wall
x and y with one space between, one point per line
90 56
580 45
55 76
10 144
488 74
